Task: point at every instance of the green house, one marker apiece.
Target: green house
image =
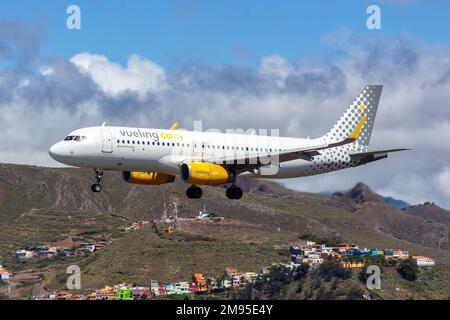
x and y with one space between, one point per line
124 294
376 252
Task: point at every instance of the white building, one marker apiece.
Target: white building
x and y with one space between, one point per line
24 254
182 288
250 276
313 256
424 261
226 284
154 287
312 261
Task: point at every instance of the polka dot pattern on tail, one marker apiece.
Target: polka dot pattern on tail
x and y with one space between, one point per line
365 104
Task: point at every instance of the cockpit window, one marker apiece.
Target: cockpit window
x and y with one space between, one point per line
75 138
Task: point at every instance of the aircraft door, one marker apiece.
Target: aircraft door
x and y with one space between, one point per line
106 141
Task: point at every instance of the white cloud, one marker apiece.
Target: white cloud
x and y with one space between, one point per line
141 76
276 68
442 180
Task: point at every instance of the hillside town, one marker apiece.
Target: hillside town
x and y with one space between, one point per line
79 246
350 256
310 253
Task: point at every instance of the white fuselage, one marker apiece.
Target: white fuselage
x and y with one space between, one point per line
157 150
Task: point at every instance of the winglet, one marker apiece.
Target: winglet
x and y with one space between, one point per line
174 126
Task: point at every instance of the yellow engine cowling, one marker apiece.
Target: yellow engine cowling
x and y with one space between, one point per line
204 173
147 177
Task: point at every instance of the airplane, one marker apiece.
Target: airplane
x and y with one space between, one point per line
156 156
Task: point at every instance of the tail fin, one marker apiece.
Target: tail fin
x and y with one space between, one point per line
364 106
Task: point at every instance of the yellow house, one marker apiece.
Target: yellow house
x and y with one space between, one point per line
107 293
352 264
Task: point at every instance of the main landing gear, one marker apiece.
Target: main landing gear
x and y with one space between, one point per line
97 187
234 192
194 192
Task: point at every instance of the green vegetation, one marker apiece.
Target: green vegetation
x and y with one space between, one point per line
321 240
330 268
408 269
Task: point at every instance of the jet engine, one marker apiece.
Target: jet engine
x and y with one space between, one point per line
154 178
200 173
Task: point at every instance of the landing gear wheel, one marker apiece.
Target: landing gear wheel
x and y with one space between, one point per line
194 192
234 192
96 187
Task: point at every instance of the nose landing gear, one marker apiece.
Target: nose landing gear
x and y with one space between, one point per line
194 192
97 187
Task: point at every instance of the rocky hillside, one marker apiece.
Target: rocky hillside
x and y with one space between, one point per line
41 205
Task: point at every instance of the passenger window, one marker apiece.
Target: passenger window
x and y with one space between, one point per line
118 141
123 141
137 142
133 141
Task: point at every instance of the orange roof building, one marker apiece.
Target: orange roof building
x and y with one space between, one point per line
422 261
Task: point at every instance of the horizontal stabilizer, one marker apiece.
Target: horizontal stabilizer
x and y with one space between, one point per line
375 152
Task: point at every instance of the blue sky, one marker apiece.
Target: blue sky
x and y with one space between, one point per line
173 33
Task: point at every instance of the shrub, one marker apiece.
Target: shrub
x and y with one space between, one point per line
408 269
330 269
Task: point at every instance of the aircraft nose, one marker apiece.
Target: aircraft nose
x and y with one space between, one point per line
56 151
